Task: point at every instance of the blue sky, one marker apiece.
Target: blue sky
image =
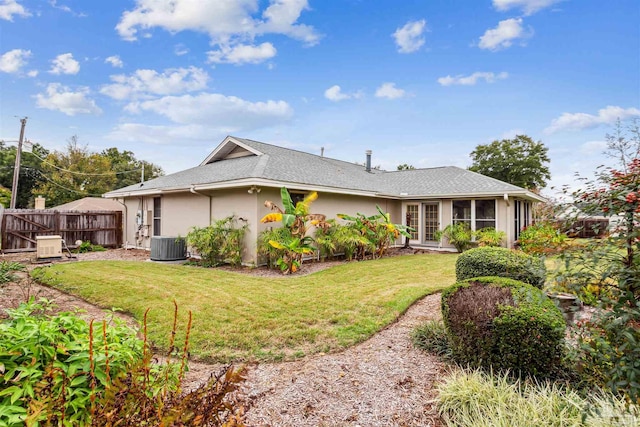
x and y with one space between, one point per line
418 82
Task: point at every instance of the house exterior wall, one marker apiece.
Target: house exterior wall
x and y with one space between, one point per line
182 211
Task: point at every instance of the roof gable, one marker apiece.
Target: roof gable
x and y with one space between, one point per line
230 148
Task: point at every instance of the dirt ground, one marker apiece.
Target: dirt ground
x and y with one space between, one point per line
383 381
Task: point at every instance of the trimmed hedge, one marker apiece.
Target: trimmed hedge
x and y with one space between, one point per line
501 262
504 324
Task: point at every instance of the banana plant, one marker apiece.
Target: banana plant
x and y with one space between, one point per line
378 230
294 249
296 218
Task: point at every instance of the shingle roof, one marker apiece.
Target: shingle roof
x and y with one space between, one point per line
283 165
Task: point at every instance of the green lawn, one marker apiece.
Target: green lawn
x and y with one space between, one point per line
240 317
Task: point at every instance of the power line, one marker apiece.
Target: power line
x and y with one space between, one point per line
62 186
84 173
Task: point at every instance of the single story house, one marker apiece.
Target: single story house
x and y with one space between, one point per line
240 174
90 204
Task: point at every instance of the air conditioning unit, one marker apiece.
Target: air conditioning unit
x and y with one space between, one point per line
168 249
48 247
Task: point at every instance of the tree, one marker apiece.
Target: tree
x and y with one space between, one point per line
30 175
128 169
5 197
75 174
621 147
519 161
405 167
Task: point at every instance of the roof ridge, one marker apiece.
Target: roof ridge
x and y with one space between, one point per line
303 152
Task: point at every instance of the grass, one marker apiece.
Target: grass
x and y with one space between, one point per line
472 398
239 317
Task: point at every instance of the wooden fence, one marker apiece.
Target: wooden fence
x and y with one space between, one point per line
588 228
21 226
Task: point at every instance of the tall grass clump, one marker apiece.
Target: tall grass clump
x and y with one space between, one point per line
480 399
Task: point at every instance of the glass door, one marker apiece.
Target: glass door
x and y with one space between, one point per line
431 221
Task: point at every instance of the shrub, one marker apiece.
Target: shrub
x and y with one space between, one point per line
219 243
432 337
501 262
268 253
7 270
479 399
505 324
490 237
458 234
59 370
541 239
87 246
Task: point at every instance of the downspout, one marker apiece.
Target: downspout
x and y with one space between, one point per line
193 190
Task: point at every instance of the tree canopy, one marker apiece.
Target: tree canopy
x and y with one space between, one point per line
519 161
30 175
405 167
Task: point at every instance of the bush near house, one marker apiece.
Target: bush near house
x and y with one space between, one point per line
219 243
542 238
502 262
504 324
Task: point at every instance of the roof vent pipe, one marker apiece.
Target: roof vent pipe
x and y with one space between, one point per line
368 164
321 151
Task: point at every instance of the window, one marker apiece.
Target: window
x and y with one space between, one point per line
485 214
462 212
477 214
413 215
522 212
297 197
157 212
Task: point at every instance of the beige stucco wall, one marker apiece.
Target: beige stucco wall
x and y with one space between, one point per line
181 211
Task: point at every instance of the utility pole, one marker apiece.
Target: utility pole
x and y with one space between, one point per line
16 167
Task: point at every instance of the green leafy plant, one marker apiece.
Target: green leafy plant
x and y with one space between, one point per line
503 324
87 246
59 370
542 238
326 239
609 344
219 243
297 219
267 253
377 232
458 234
432 337
490 237
7 271
501 262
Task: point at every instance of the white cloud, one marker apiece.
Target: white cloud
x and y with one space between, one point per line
578 121
154 134
228 23
180 49
115 61
529 7
242 54
504 34
64 64
409 37
55 5
593 147
334 93
9 8
33 73
472 79
144 83
13 60
389 91
217 111
63 99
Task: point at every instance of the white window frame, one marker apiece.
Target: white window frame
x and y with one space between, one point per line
473 212
421 225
